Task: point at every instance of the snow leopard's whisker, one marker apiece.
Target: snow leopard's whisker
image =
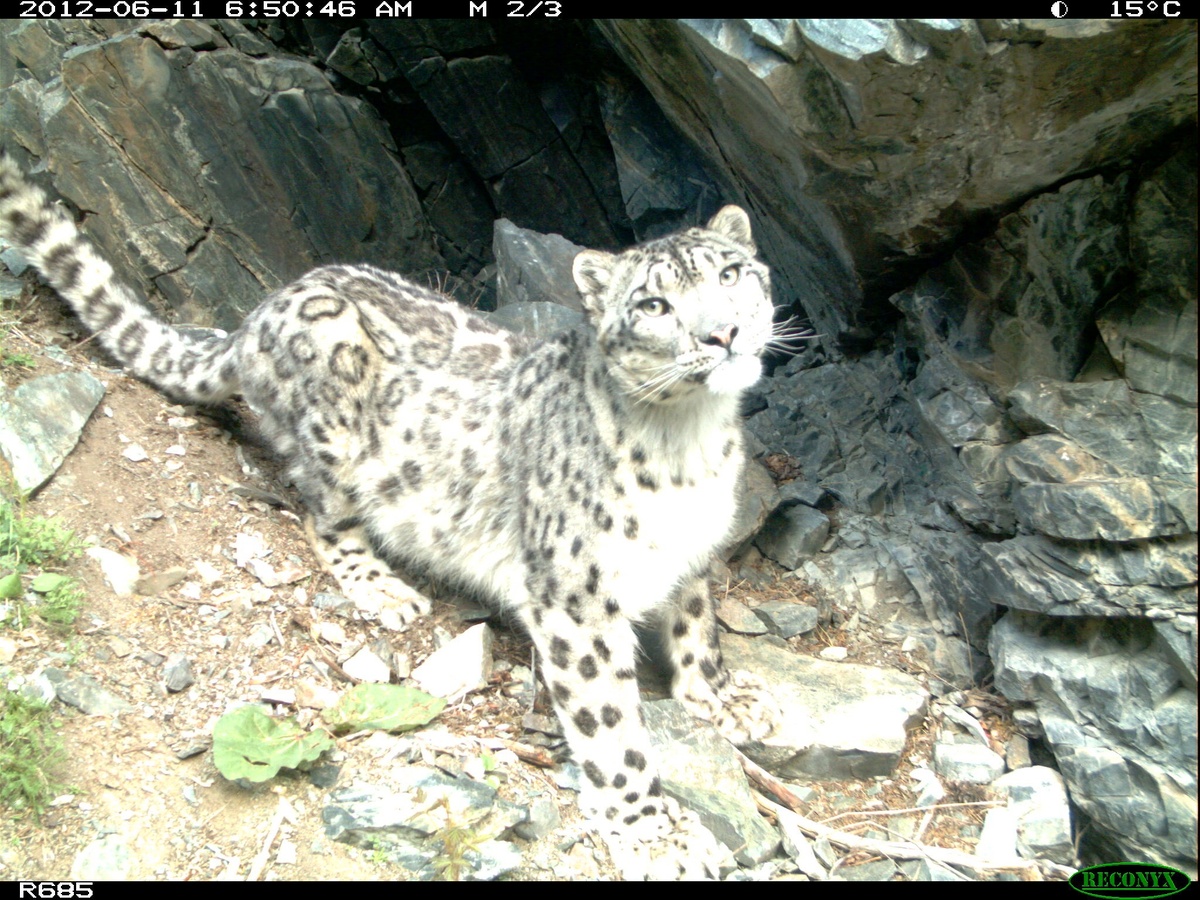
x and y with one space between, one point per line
657 385
789 335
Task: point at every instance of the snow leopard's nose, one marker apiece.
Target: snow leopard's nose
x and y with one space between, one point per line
721 337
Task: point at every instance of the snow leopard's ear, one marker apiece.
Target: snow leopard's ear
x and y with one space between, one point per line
593 271
733 223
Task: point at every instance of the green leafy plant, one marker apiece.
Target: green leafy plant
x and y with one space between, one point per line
386 707
29 748
457 840
249 744
28 540
11 360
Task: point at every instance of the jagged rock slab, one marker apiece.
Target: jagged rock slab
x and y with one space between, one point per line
86 694
701 771
757 496
1150 329
817 121
40 423
1122 726
534 267
1137 434
787 619
1037 796
842 720
535 319
793 534
213 214
1064 578
410 822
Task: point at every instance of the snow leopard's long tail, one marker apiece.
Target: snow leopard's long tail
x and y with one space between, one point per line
190 369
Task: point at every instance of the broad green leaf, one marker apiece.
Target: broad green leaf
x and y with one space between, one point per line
389 707
10 586
47 581
248 743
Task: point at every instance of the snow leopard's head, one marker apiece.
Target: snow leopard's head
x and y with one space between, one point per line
685 313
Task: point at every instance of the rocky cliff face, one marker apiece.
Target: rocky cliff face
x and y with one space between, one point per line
992 225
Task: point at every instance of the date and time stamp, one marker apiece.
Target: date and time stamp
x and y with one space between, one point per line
288 9
512 9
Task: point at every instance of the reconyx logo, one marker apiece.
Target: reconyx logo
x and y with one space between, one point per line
1127 879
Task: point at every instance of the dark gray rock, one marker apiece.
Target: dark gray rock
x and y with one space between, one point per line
213 215
701 771
787 619
793 534
40 423
1124 509
1121 725
802 118
842 720
543 819
1062 578
757 497
409 822
458 208
1138 434
852 432
1020 303
944 571
86 694
510 142
1150 329
1053 459
178 673
1176 639
663 182
534 267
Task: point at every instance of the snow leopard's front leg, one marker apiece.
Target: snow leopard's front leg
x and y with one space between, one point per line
738 704
587 662
345 551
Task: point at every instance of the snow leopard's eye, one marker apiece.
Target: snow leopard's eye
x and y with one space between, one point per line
731 275
654 307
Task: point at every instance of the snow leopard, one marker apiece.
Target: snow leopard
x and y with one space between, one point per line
583 482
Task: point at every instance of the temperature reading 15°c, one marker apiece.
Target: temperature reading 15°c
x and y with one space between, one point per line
1135 9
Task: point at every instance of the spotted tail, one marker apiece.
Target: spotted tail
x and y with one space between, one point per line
189 369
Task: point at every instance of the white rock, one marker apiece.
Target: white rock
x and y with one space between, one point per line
998 842
134 453
120 572
248 546
967 762
834 654
462 665
331 632
1038 797
929 788
366 666
286 854
968 722
208 573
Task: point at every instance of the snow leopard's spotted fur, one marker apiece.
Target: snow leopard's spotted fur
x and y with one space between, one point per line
584 482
